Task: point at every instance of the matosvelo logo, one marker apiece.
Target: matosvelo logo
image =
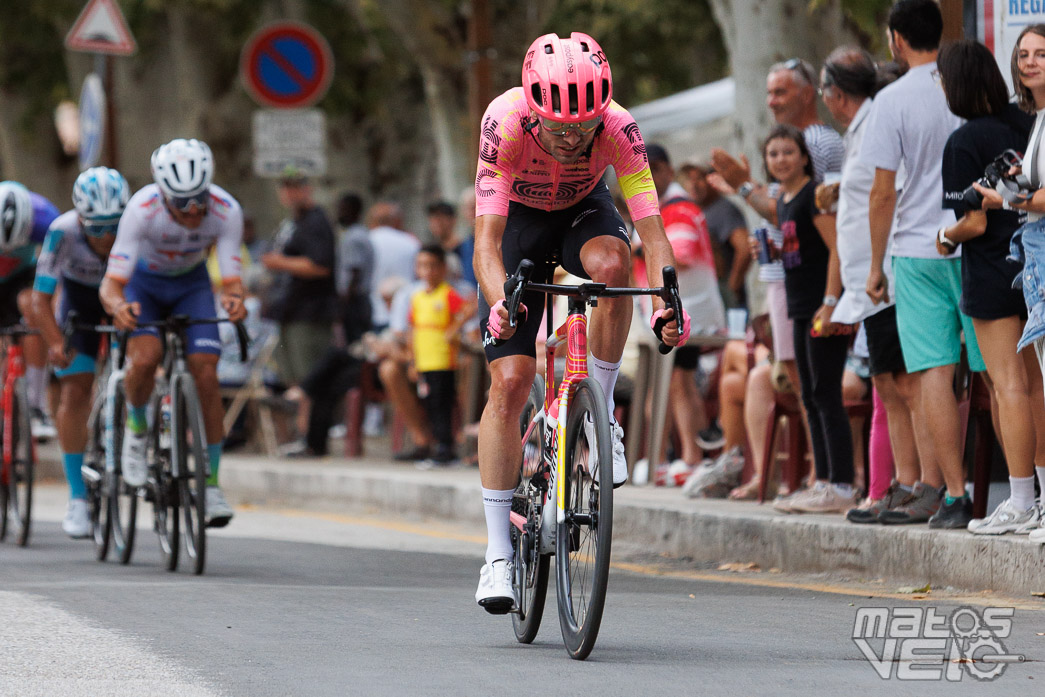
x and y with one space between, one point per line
915 643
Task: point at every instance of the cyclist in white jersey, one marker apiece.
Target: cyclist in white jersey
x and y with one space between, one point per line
74 255
157 269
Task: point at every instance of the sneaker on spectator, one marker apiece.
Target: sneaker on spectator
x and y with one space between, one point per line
1007 518
826 498
870 509
916 506
495 593
133 466
441 458
417 454
640 474
711 438
337 431
718 479
40 425
373 420
952 516
786 502
77 522
1038 535
295 448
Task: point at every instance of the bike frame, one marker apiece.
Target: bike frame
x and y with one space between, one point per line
14 368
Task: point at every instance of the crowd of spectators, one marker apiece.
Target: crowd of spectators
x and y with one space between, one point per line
879 274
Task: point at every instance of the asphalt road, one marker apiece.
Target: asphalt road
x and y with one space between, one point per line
306 603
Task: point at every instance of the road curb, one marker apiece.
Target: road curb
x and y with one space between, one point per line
664 523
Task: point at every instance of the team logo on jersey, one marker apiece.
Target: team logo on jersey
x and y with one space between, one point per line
635 138
483 174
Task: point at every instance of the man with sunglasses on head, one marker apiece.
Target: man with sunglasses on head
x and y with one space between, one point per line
157 268
74 255
540 195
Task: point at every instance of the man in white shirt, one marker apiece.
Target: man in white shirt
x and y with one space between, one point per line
847 82
394 252
909 125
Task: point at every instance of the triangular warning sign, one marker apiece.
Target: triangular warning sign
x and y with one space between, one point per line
101 28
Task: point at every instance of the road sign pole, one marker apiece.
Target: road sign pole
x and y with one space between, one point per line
111 149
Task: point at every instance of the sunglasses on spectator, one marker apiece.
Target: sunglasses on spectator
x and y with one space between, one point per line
561 128
799 65
827 82
99 229
184 204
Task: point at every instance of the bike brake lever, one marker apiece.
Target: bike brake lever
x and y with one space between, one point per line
244 340
669 293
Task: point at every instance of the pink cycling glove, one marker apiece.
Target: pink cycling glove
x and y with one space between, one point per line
683 335
493 322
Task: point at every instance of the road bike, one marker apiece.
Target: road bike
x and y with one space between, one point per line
563 504
19 450
176 450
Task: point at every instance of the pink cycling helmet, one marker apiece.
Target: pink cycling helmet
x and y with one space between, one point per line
567 80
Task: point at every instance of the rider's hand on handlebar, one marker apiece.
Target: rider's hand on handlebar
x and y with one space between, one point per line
126 316
57 356
232 303
497 322
670 334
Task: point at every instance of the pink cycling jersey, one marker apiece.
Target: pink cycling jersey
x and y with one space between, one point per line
514 167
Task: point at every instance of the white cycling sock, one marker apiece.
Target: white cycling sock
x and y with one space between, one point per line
36 386
1021 492
498 507
606 375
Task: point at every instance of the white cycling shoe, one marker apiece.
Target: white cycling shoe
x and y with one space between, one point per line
620 463
219 512
495 593
133 465
77 522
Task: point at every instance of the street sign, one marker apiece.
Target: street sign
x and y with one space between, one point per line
101 28
286 65
289 137
92 121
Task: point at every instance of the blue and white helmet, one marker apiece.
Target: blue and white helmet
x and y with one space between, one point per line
16 215
183 168
100 195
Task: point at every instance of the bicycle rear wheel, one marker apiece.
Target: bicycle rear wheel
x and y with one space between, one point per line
189 434
23 457
531 568
123 499
165 495
582 551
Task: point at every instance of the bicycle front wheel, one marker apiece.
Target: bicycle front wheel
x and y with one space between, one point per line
582 550
165 501
123 499
531 568
93 472
23 457
190 440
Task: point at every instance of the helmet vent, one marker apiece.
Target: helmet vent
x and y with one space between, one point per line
535 90
548 49
584 47
556 100
605 90
589 94
573 98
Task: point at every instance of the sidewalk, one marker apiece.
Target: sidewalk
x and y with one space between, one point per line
664 522
659 520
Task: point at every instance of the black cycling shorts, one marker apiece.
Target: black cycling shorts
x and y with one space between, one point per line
548 239
9 290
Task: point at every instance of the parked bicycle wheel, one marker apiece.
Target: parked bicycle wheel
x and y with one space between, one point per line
531 569
190 452
584 538
93 472
123 499
19 491
165 497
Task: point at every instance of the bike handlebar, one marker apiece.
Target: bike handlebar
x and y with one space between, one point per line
175 322
519 282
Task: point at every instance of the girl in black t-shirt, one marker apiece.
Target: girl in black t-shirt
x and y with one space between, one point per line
813 283
977 92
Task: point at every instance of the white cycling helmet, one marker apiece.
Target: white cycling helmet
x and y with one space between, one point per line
16 215
100 195
183 168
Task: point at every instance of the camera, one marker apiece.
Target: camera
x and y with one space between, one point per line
1013 188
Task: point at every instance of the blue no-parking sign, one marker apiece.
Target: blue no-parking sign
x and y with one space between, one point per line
287 65
92 121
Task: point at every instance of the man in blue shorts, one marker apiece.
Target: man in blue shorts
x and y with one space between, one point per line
157 268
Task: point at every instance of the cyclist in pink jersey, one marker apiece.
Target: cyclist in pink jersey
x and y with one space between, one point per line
539 193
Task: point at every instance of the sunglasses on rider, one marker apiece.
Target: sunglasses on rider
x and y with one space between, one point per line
561 128
99 229
184 204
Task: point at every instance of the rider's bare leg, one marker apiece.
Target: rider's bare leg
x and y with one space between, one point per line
606 259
